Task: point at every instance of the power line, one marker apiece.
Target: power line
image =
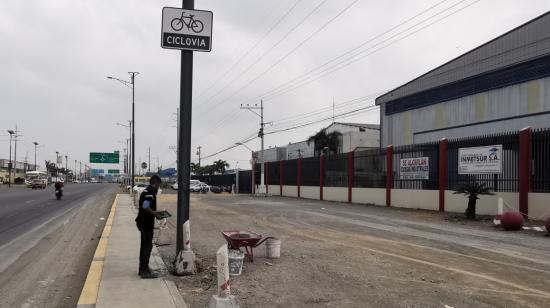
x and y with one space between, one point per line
250 66
306 77
287 54
258 42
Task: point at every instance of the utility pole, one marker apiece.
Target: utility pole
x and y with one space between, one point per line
80 173
15 154
149 165
66 168
261 135
199 154
333 110
133 74
11 132
185 257
74 174
35 145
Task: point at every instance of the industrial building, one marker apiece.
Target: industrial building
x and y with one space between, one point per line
502 85
354 136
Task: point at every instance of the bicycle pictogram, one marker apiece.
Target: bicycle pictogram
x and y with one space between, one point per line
191 24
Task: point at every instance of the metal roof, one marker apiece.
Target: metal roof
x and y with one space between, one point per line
524 43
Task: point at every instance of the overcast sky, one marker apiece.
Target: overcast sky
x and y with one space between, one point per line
55 56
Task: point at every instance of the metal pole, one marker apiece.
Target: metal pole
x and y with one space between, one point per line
133 126
262 124
9 165
185 261
35 144
149 165
66 167
80 171
14 165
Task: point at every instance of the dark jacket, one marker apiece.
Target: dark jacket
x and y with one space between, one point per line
144 220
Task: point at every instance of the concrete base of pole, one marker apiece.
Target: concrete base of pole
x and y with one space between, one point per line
223 302
186 263
261 189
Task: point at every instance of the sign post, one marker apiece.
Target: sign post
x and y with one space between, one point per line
188 30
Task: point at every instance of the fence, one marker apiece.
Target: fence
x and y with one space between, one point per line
523 167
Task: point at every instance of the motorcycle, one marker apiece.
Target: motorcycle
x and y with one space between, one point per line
58 194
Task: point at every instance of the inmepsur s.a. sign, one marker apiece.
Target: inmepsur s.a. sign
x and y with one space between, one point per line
186 29
480 160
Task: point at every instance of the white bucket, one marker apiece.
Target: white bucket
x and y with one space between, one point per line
236 259
273 248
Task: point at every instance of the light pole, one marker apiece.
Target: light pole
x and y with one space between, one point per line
131 84
80 173
11 132
66 168
253 162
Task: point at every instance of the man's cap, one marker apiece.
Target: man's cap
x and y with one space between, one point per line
155 178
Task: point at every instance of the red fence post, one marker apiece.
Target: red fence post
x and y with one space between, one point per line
350 175
321 176
525 165
281 177
389 173
442 172
299 176
266 178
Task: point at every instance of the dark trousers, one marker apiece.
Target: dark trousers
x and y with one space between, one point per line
145 248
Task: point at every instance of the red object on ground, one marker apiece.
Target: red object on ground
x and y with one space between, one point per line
512 221
547 224
247 239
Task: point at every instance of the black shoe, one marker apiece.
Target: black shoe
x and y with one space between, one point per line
148 275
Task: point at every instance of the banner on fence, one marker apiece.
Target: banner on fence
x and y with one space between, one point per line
414 168
480 160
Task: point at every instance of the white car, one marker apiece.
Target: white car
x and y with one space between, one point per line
139 187
174 186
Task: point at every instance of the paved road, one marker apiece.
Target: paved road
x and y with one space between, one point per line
22 210
46 245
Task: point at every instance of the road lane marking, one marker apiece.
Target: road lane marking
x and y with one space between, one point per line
88 296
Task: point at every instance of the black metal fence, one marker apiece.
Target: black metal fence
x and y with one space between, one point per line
310 171
429 150
290 172
273 177
541 160
369 168
336 170
506 181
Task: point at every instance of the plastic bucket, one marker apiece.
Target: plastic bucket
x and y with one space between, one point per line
273 248
236 258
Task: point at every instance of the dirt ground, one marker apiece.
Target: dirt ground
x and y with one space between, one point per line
342 255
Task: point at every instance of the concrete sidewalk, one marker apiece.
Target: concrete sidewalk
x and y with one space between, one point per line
118 283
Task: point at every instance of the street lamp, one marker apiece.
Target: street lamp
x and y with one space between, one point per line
129 126
131 84
11 132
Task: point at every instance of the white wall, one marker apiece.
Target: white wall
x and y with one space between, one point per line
415 199
273 189
539 206
335 194
309 192
369 195
486 205
290 191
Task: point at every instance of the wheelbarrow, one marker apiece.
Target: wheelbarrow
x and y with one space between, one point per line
247 239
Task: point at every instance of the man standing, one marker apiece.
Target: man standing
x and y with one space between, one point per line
145 222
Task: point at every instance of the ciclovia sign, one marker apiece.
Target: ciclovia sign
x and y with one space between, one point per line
186 29
480 160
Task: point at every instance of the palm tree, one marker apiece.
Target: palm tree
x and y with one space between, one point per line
51 168
220 165
473 190
322 140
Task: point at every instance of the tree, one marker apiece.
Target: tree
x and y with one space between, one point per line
51 168
473 190
220 165
322 140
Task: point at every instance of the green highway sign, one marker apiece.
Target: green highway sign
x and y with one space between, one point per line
113 171
104 158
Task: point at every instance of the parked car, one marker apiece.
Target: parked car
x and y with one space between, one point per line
139 187
174 186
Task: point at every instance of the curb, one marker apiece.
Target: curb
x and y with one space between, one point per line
88 295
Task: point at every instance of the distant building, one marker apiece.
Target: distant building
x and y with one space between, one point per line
21 169
502 85
354 136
